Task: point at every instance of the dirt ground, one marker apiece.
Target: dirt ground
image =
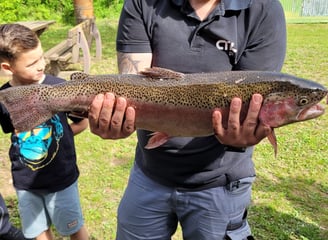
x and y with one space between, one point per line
6 186
6 183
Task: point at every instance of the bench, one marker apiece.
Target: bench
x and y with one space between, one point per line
37 26
67 52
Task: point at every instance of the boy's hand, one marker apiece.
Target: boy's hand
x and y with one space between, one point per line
110 118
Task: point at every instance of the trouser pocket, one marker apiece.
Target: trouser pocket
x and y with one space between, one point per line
238 228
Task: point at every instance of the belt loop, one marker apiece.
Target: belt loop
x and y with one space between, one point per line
233 185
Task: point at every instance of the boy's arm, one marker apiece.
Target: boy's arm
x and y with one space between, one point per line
5 120
78 127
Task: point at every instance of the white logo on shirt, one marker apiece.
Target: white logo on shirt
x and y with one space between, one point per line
225 45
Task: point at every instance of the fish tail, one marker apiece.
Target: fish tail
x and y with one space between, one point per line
26 107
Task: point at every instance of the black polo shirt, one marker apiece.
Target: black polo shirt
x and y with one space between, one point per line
237 35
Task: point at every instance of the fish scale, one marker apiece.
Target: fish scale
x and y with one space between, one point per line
172 103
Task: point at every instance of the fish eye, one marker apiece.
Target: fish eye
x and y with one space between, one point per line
303 101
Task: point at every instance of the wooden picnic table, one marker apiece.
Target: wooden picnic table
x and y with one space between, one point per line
37 26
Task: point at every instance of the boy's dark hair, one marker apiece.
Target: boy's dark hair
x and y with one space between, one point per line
14 40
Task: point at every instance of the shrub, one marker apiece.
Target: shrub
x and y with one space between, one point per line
61 11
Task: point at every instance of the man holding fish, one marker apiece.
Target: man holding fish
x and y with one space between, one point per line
203 183
196 127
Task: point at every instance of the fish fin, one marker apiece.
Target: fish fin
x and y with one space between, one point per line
27 110
162 73
157 139
79 76
273 140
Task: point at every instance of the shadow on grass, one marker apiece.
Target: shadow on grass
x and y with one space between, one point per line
266 221
308 217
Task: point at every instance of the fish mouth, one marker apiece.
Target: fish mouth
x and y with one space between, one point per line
310 112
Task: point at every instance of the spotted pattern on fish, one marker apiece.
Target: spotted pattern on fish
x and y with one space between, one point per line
184 92
157 92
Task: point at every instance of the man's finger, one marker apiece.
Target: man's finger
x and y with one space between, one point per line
94 110
234 116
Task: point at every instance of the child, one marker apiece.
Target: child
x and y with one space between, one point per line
44 168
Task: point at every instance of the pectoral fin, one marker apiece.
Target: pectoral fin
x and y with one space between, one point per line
273 140
157 139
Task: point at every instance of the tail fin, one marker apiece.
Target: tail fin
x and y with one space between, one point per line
25 105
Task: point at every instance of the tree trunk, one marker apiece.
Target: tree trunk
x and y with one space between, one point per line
83 10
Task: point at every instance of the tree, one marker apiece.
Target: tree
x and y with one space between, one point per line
83 10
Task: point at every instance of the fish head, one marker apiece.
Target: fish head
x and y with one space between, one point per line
296 105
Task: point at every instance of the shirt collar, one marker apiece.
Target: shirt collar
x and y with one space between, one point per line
228 4
236 4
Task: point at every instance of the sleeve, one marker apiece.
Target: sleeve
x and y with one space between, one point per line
5 120
132 36
266 46
73 118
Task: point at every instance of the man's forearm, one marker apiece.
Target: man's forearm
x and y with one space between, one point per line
132 63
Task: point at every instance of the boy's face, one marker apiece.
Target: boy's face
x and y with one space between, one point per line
28 67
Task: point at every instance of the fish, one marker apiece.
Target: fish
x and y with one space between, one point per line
172 104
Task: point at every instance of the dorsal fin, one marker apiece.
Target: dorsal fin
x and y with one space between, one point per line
79 76
162 73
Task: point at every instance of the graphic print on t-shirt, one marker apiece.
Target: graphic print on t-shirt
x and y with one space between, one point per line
38 147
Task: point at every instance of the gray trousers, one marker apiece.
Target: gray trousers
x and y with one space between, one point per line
152 211
4 217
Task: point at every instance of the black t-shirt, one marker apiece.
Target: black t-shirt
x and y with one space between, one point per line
44 158
237 35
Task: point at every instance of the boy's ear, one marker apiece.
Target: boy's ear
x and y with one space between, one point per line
6 67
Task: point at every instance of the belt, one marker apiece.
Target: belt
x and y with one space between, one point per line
221 181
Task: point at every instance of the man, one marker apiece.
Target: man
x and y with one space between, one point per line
202 183
7 230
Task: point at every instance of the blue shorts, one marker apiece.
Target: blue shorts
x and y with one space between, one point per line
39 211
149 210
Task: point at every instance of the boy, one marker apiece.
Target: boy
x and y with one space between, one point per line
43 159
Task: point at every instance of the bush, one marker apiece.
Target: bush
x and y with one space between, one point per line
61 11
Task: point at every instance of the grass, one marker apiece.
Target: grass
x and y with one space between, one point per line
290 195
294 17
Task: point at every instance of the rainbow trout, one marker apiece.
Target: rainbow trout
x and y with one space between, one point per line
171 103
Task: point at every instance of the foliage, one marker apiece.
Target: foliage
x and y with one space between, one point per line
107 8
61 11
10 11
21 10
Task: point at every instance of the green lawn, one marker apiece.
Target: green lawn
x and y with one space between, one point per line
290 197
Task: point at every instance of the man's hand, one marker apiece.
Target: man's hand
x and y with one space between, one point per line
110 118
237 134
